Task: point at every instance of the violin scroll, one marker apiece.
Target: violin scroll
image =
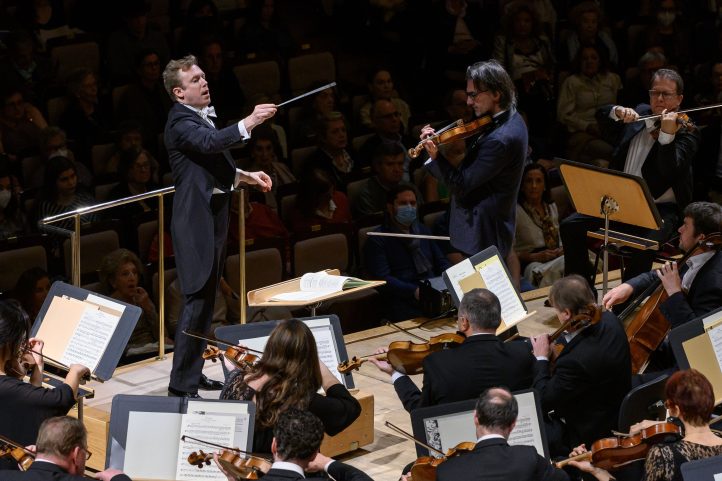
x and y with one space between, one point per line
456 131
199 458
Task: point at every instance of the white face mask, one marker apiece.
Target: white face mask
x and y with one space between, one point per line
59 153
5 196
666 18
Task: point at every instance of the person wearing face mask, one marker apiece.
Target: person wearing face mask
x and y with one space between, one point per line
668 33
402 262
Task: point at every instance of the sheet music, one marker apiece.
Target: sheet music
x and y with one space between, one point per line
445 432
90 339
101 301
715 335
238 410
527 431
149 453
216 429
718 477
457 272
497 281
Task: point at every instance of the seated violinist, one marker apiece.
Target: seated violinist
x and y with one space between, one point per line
695 288
62 449
492 458
592 374
690 398
297 437
27 401
462 373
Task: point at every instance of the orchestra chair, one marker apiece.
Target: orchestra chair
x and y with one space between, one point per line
102 191
146 232
645 401
259 78
358 141
353 189
69 57
307 70
19 254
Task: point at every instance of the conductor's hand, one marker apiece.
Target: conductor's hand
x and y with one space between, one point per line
626 115
431 148
260 114
617 295
259 178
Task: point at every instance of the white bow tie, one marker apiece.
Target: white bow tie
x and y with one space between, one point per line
208 112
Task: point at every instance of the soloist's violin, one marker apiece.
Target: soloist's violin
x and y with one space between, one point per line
614 452
405 356
453 132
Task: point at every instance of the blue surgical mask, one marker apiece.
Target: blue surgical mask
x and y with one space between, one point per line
406 214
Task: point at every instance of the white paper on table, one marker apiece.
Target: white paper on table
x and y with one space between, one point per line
715 335
217 429
151 451
457 272
90 339
497 281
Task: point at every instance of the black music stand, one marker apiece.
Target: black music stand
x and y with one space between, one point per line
611 195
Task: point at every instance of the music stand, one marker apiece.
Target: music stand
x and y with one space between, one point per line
605 194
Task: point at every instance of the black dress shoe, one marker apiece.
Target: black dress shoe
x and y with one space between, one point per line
209 384
177 393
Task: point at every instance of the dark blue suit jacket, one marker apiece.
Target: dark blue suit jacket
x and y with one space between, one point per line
485 187
42 471
705 293
200 162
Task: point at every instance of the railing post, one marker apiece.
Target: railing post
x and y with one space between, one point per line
161 279
75 251
242 253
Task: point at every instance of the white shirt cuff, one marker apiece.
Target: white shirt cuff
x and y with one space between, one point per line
665 138
613 113
325 468
395 375
542 358
245 134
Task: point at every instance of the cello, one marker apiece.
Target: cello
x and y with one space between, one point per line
647 328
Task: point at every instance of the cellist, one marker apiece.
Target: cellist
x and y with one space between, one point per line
694 290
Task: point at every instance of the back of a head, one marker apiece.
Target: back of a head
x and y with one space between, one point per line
58 436
13 326
497 409
482 309
693 394
298 435
571 292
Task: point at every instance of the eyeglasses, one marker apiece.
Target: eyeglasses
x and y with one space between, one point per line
390 115
88 454
472 95
653 94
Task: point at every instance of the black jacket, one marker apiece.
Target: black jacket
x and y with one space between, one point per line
42 471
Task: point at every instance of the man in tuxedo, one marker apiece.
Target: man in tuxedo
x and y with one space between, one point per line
204 173
62 449
492 458
661 154
484 187
590 377
297 438
481 361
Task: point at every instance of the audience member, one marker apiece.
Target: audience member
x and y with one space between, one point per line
316 107
387 130
381 87
202 22
46 19
228 98
639 81
54 143
318 202
589 29
590 86
289 375
31 289
261 221
128 135
537 242
388 167
483 360
669 32
264 34
12 217
20 124
120 275
402 262
265 155
433 189
25 68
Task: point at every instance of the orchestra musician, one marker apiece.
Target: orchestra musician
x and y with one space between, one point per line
690 398
661 153
289 374
485 185
297 437
493 458
25 405
483 360
591 375
694 290
62 450
204 173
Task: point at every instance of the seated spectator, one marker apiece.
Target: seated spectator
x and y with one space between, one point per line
54 143
388 168
638 81
120 273
84 121
315 108
265 155
146 101
135 172
588 88
12 218
33 73
318 202
20 124
332 154
128 134
402 262
588 30
261 221
31 290
387 130
228 98
135 35
537 242
46 19
264 34
669 32
381 87
202 22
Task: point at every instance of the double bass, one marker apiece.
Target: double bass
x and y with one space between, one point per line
647 327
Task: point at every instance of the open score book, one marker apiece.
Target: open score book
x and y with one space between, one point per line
319 284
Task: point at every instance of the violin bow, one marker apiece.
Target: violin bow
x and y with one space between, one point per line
410 437
695 109
323 87
215 340
186 438
410 236
399 328
63 366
